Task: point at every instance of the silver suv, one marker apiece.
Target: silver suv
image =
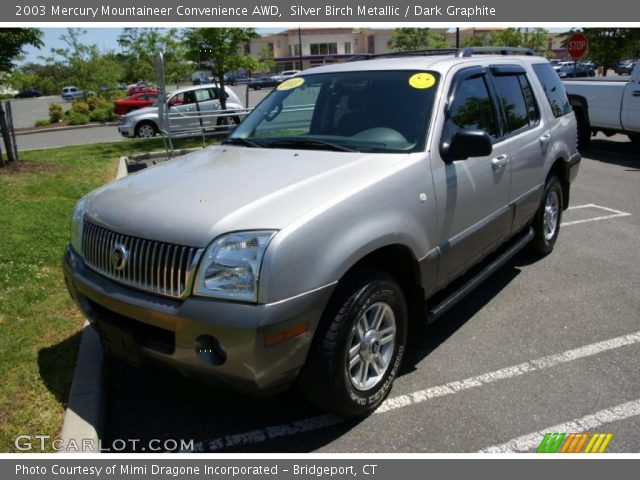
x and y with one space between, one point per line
336 216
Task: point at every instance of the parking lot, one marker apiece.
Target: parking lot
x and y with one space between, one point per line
551 345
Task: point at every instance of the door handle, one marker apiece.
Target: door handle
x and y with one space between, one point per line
499 162
544 140
636 93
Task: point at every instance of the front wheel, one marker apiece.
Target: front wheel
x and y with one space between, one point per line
358 348
546 223
146 130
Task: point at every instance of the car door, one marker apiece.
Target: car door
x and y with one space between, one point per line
183 111
529 137
631 103
472 195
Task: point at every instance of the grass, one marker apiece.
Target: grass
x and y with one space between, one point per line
39 324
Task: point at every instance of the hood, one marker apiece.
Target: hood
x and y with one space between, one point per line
192 199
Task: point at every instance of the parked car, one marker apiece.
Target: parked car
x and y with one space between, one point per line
233 78
28 93
282 76
576 71
346 203
562 64
143 88
611 106
262 82
69 93
182 104
135 102
625 67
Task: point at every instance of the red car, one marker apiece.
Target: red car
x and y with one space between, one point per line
134 102
133 89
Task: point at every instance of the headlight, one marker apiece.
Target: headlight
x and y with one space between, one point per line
76 225
231 264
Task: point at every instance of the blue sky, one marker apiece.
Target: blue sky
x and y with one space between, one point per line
104 38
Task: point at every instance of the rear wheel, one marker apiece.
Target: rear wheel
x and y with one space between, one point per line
546 223
358 347
229 122
146 130
584 127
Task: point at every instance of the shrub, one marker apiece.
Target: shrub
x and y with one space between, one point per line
42 122
101 115
55 113
80 107
76 118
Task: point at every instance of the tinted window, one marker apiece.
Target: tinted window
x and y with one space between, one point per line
513 102
553 89
532 106
471 107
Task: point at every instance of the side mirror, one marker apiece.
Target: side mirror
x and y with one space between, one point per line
467 143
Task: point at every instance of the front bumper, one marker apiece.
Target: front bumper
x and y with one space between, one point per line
171 332
127 130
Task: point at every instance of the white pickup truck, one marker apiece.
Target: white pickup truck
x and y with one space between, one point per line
608 106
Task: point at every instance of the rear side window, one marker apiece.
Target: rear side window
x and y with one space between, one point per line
553 89
519 106
471 107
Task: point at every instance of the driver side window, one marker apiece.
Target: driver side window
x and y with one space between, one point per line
471 108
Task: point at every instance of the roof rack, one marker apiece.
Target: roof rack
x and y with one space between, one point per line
457 52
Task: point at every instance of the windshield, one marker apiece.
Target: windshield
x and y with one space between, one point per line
373 111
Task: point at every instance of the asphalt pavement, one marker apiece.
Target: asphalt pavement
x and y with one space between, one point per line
546 345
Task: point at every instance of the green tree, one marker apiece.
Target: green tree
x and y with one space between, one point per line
607 46
533 38
83 64
12 43
416 39
140 47
475 41
220 48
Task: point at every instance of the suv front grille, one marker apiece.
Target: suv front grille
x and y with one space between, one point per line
161 268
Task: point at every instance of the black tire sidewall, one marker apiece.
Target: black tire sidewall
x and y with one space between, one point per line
349 400
541 244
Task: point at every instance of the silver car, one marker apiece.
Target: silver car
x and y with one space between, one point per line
190 110
355 204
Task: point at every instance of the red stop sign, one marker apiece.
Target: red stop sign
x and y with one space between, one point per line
577 45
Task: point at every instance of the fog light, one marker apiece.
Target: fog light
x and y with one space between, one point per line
209 350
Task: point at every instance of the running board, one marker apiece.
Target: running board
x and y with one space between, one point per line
446 304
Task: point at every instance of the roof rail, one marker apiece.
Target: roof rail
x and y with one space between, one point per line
469 51
458 52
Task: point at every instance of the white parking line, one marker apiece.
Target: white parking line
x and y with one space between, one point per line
614 214
322 421
530 441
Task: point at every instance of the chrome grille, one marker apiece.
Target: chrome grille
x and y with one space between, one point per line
162 268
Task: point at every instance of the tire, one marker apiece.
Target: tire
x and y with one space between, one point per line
229 122
584 127
546 223
634 137
146 130
327 380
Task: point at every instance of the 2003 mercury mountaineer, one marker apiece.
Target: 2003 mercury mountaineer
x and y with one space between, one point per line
343 206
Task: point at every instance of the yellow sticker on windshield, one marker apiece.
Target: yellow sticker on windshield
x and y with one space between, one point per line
422 80
291 83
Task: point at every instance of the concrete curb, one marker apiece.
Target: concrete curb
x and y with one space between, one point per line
72 127
83 419
84 416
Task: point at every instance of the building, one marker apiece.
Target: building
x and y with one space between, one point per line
322 46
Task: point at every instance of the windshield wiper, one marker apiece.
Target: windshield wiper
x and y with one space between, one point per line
309 143
242 141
